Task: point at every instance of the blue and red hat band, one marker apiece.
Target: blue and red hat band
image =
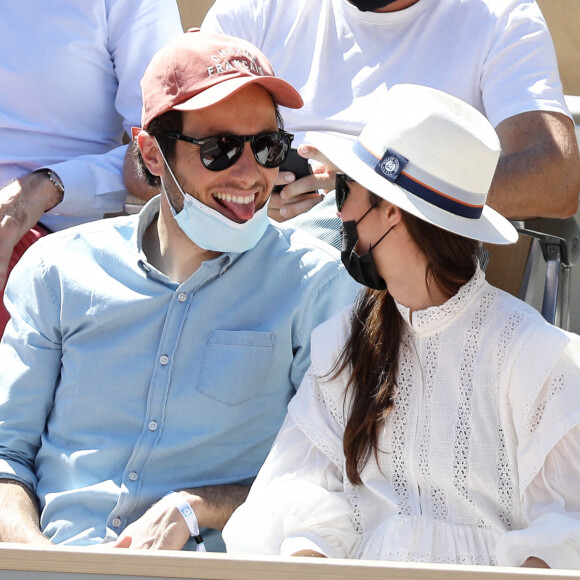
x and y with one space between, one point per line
390 167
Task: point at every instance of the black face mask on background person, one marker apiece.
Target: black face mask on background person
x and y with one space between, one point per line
370 5
361 268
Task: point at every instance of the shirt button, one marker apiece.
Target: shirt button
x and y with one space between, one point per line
152 425
182 297
116 522
133 476
164 360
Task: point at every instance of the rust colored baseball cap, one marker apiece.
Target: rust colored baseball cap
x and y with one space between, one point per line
197 70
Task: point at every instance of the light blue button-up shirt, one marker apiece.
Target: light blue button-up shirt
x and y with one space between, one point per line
118 385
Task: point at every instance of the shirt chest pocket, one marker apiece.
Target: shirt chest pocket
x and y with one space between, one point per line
235 365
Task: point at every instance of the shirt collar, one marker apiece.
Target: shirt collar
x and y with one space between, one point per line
397 18
145 218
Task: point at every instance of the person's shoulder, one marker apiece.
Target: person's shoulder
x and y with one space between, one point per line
508 307
525 324
302 245
100 234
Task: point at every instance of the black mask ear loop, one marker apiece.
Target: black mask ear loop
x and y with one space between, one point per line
372 247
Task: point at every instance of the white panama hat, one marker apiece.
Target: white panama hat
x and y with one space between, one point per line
430 154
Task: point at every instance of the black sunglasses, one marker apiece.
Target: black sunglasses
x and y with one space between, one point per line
342 189
222 151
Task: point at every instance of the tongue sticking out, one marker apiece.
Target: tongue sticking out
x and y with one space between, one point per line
243 211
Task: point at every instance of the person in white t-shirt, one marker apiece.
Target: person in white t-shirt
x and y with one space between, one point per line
440 418
69 73
343 55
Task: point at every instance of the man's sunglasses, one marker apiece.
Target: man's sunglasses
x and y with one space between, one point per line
342 189
222 151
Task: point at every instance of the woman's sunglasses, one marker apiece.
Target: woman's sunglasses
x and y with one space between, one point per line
342 189
222 151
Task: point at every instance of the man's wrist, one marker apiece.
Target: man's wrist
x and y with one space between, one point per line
57 186
189 516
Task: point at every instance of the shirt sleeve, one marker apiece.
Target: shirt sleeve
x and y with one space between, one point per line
296 503
521 36
335 291
547 421
137 29
30 355
552 508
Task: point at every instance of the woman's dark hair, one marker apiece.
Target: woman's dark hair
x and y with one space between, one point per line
169 121
372 349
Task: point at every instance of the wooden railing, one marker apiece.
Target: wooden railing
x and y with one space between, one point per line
20 562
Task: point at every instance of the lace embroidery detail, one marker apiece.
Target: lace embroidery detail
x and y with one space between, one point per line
351 492
463 428
401 427
557 385
505 488
506 337
436 494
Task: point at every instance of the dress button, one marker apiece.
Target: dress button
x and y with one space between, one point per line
152 425
164 360
182 297
116 522
133 476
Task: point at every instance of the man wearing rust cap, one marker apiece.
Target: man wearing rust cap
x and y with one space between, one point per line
150 358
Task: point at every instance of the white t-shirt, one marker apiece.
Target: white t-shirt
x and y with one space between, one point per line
477 460
69 78
496 55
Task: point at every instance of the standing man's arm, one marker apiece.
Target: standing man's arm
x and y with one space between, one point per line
538 174
19 516
22 203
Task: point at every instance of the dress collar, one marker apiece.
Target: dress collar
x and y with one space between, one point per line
435 317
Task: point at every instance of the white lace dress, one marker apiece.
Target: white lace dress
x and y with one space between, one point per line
479 460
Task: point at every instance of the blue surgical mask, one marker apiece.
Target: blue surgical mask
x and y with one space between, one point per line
210 230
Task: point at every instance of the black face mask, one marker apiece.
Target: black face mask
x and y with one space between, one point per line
370 5
362 268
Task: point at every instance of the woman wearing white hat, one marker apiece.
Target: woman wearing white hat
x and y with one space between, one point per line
439 421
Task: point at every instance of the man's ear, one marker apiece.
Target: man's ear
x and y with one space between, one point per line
150 152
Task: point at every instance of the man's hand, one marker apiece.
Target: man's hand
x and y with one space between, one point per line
533 562
163 527
22 204
297 197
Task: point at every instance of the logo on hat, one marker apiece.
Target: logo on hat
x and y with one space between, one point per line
391 165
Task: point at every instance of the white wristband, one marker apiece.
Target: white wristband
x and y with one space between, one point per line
190 518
